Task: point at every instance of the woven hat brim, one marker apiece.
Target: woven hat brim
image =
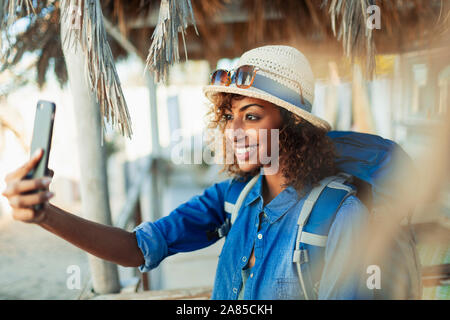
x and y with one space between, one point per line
259 94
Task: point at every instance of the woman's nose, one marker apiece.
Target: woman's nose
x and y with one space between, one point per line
235 134
235 124
235 131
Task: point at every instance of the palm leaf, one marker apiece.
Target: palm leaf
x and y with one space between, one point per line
348 23
174 18
99 68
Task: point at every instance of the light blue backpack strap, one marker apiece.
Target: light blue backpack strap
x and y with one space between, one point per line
237 206
338 183
301 255
335 182
234 198
228 207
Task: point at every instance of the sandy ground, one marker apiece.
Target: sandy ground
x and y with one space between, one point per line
34 262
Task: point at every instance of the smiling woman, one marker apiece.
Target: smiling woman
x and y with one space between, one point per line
284 227
306 153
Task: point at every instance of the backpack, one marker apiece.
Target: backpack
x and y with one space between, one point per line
366 166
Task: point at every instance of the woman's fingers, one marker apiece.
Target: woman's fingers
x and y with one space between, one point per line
28 215
26 167
20 186
50 173
23 201
23 214
23 194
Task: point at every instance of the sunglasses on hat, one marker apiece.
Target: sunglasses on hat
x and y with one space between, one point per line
243 77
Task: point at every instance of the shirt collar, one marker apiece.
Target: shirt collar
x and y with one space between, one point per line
281 204
255 192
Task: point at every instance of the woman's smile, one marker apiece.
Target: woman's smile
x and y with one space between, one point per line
243 153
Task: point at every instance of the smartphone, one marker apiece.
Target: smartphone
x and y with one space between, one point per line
42 138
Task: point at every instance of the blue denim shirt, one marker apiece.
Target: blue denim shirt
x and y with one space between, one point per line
274 275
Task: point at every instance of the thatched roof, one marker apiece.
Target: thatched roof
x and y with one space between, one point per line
228 28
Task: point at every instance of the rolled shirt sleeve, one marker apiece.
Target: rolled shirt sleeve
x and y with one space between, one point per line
344 275
184 229
152 244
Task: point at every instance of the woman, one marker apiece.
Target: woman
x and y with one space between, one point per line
269 95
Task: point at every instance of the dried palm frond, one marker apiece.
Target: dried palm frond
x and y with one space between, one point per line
42 37
174 17
100 70
10 11
308 25
352 29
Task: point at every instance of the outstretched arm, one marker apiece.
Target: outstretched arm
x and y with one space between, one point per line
106 242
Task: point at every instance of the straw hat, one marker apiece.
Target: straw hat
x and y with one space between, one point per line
287 79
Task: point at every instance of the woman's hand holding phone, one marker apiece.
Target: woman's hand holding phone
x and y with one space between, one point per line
23 194
106 242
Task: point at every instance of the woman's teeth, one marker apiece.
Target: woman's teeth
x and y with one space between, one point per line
245 150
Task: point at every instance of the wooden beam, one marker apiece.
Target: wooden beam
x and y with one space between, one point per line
202 293
232 13
122 40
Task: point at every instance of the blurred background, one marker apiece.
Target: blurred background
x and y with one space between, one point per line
396 87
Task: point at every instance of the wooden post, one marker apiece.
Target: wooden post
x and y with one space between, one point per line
156 149
93 180
144 276
155 196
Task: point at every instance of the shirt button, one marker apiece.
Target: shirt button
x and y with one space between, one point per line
259 236
251 275
234 290
244 259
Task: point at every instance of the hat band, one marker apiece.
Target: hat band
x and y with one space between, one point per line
280 91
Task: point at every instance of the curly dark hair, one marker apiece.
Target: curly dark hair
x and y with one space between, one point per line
306 153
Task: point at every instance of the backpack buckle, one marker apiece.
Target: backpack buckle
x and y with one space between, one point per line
224 228
300 256
219 232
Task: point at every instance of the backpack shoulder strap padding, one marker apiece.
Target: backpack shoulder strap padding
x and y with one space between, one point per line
228 207
301 255
335 182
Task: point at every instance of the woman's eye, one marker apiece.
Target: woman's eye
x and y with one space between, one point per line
227 117
251 117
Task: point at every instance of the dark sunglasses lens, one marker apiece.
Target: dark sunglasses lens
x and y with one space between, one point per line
220 77
244 76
